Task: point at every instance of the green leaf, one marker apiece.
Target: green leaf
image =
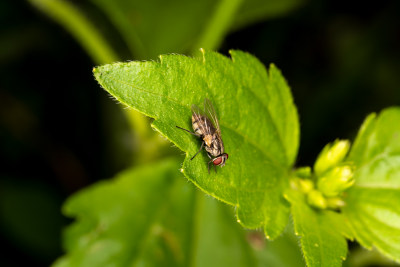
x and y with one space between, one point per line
376 151
152 217
373 203
284 251
218 240
322 232
258 120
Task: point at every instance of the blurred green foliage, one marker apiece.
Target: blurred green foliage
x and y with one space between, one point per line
342 60
150 216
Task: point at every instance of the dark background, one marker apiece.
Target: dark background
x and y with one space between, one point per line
57 126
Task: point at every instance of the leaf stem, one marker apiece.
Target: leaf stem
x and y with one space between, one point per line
80 27
218 25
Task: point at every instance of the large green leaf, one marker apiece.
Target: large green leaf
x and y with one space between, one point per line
258 121
150 216
373 203
322 232
147 216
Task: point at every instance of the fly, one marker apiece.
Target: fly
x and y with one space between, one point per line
205 126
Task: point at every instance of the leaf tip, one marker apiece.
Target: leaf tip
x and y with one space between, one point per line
96 72
203 53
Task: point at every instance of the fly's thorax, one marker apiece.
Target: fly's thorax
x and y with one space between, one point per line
214 152
208 139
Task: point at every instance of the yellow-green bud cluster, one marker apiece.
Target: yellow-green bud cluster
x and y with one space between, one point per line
331 156
336 180
332 176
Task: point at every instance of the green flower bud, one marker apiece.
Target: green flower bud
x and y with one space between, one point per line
336 181
301 180
331 156
306 185
335 202
316 199
303 172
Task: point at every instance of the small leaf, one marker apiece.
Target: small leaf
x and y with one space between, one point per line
373 203
258 120
376 151
374 214
151 217
322 232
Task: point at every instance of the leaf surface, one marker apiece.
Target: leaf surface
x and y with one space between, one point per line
150 216
258 120
322 232
373 203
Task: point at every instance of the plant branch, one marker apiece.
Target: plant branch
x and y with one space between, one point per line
80 27
218 25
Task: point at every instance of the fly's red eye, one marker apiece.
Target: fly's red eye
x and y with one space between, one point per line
226 156
217 161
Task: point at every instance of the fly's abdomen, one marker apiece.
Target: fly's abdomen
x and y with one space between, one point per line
196 128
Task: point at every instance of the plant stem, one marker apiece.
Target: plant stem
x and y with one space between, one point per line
80 27
218 25
85 32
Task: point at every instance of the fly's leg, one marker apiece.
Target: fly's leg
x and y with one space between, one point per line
215 167
201 147
187 131
208 154
202 144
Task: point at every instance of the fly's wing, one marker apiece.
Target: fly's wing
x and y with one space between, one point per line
211 114
200 118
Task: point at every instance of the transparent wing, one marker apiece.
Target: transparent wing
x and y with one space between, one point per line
200 118
211 114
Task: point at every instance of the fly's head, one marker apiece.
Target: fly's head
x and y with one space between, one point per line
220 160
